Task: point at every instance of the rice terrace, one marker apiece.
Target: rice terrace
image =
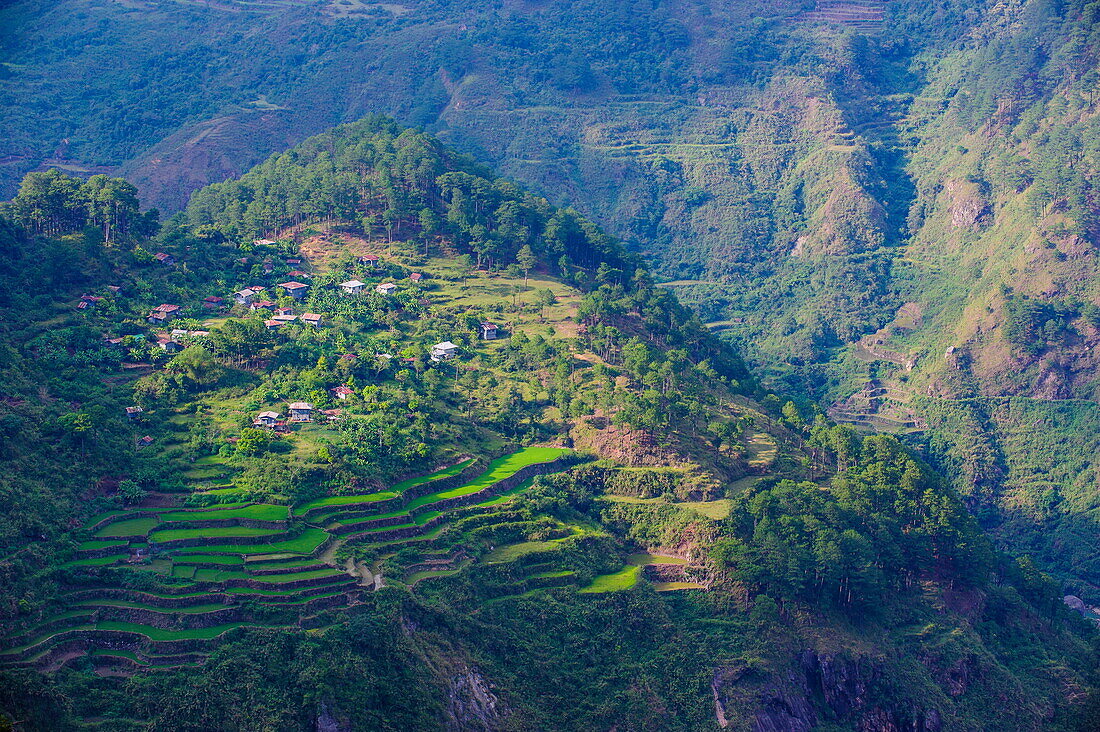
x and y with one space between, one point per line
250 564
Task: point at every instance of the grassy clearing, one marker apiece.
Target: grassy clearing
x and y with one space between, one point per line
643 559
624 579
670 586
761 449
716 510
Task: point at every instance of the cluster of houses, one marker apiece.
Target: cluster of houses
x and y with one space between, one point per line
299 413
355 287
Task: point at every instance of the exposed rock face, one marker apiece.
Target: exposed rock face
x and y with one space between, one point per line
968 206
328 722
819 687
471 704
1074 603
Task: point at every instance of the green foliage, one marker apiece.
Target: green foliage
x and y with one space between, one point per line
885 522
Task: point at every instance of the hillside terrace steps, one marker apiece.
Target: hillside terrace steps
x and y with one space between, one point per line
864 15
226 579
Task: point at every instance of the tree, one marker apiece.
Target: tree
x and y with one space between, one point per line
197 365
77 424
545 298
526 259
130 492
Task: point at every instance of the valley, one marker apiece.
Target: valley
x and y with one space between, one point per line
768 403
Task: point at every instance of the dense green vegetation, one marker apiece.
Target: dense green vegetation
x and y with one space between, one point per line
797 180
403 517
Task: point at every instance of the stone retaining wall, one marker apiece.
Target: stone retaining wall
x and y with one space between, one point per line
123 547
262 571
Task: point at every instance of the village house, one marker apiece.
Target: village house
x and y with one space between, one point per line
269 267
385 288
213 302
369 260
488 331
163 258
444 351
168 345
343 392
145 441
297 290
284 311
266 419
296 273
353 287
133 413
262 305
293 261
285 318
114 289
245 296
333 415
114 342
163 313
301 412
181 333
88 301
311 318
273 324
415 278
264 242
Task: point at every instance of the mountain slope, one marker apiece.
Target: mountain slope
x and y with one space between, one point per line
724 560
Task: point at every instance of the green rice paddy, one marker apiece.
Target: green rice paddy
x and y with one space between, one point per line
293 558
129 527
393 492
255 512
213 533
624 579
100 544
97 561
306 543
206 559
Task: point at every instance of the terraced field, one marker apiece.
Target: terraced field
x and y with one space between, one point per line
242 565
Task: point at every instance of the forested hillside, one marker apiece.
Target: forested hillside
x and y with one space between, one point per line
371 439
